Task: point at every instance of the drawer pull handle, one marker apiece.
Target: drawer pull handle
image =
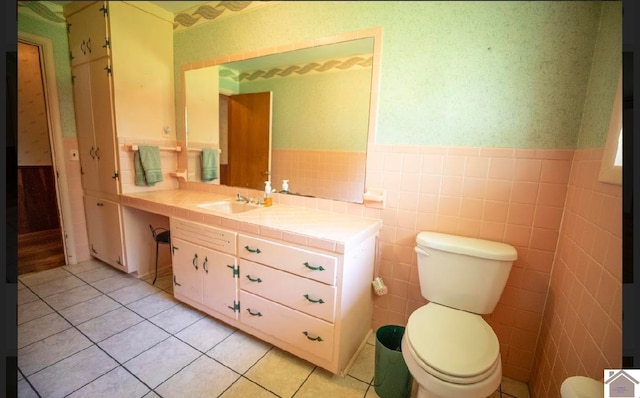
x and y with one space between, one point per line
204 265
312 338
195 260
319 301
257 251
254 280
311 267
253 313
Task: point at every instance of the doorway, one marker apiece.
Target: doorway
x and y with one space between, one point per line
41 243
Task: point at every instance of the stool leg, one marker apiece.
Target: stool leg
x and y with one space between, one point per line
156 277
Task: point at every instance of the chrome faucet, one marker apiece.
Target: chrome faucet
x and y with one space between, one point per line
240 198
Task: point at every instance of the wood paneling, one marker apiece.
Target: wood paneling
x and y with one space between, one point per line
39 251
37 202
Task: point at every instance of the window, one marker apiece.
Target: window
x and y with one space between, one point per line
611 166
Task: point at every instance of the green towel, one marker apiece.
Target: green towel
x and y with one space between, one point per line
209 160
146 163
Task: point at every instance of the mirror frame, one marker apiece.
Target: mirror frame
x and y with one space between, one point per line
375 33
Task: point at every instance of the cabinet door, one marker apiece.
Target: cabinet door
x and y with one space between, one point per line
104 133
219 283
187 278
88 33
104 228
112 225
84 126
95 230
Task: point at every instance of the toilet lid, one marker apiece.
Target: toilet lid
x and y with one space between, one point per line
453 342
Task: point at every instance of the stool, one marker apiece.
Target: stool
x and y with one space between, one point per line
161 236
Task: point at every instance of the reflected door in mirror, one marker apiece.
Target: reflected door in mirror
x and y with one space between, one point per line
249 138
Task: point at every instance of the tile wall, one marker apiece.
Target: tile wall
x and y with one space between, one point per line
581 330
503 194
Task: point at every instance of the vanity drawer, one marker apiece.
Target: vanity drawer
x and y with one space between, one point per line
204 235
306 263
306 295
307 333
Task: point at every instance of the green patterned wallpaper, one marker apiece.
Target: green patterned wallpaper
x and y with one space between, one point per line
57 32
501 74
607 59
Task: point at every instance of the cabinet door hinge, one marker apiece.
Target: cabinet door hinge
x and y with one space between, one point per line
71 56
108 69
119 261
106 43
105 10
236 306
235 269
115 175
68 27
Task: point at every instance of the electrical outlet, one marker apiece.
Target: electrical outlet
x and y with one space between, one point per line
74 154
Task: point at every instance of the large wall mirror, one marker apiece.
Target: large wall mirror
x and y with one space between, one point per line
305 115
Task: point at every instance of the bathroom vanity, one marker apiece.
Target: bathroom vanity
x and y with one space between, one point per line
297 278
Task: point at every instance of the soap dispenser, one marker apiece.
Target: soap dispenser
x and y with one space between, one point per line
267 194
285 186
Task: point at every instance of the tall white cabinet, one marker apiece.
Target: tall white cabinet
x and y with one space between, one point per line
121 56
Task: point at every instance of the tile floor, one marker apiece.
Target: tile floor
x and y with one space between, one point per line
88 330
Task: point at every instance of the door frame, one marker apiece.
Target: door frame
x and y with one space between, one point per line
52 107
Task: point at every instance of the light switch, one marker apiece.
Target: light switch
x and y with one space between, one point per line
73 153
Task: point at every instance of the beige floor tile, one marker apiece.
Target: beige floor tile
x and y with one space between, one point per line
153 304
89 309
246 388
205 333
133 341
176 318
117 383
281 372
32 310
114 282
26 296
71 297
106 325
239 351
133 292
325 384
85 266
25 390
43 353
37 278
97 274
161 361
40 328
204 377
364 367
514 388
56 286
72 373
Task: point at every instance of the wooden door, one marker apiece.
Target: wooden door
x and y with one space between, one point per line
249 129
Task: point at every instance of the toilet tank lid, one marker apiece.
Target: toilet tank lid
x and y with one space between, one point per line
464 245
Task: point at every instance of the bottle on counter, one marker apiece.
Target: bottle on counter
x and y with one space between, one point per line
268 200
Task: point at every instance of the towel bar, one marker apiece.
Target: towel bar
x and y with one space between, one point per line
133 148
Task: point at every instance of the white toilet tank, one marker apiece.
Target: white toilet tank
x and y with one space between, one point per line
464 273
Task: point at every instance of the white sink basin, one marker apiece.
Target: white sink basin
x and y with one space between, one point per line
228 206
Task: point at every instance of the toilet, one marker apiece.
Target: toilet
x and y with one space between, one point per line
581 387
449 349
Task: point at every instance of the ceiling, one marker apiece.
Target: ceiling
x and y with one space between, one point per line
174 7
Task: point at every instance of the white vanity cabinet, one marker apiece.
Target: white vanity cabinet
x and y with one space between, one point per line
204 267
313 303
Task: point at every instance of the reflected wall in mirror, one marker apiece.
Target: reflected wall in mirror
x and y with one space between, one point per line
323 112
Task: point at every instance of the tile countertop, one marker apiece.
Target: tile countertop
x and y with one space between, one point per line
318 229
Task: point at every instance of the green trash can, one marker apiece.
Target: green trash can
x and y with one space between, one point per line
392 378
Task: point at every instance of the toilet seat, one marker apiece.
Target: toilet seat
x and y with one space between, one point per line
462 349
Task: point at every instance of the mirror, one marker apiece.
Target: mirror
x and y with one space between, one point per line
322 115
